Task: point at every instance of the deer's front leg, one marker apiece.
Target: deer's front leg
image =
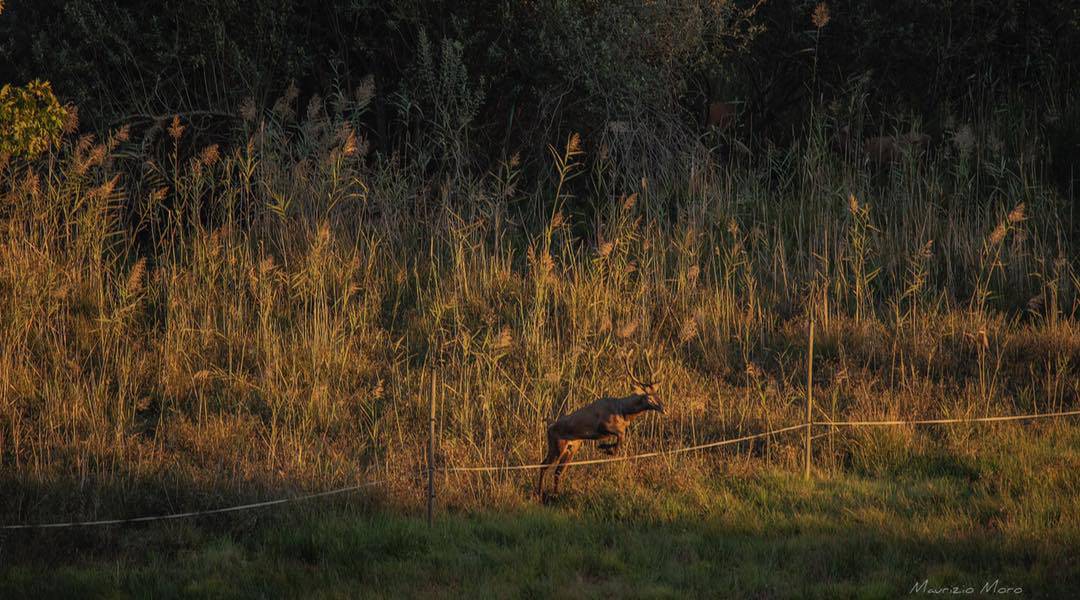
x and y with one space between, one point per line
611 447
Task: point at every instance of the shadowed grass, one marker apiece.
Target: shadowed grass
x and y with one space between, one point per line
1009 515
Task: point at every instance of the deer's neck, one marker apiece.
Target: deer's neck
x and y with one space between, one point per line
626 407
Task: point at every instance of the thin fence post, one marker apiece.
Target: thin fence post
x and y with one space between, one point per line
809 399
431 458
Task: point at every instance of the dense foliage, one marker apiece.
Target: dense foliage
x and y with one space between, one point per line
116 56
31 119
527 67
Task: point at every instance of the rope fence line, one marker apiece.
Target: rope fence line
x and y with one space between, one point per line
1068 413
267 503
488 469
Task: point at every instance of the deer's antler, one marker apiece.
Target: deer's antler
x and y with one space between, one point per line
629 371
649 365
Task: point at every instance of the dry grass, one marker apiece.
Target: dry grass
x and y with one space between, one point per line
276 315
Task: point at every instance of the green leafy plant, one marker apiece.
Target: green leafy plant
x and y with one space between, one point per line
31 119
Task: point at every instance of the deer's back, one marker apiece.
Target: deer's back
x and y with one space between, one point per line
598 419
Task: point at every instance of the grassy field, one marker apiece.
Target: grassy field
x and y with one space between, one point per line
186 324
716 526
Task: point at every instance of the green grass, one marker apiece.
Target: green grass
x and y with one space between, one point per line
705 528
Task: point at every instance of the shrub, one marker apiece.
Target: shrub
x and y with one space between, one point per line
31 119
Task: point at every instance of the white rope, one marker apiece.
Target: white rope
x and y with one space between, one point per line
197 513
947 421
485 469
598 461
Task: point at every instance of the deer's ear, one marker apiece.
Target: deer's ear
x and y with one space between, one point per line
650 389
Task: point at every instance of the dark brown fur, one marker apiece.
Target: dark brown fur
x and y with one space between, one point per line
721 115
886 149
605 418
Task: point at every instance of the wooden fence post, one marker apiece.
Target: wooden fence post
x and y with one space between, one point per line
431 458
809 399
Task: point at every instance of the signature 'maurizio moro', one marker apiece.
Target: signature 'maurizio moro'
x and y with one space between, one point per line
988 587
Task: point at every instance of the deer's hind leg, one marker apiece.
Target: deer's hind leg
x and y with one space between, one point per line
556 447
566 457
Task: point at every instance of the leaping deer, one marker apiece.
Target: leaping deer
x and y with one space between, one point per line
604 418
